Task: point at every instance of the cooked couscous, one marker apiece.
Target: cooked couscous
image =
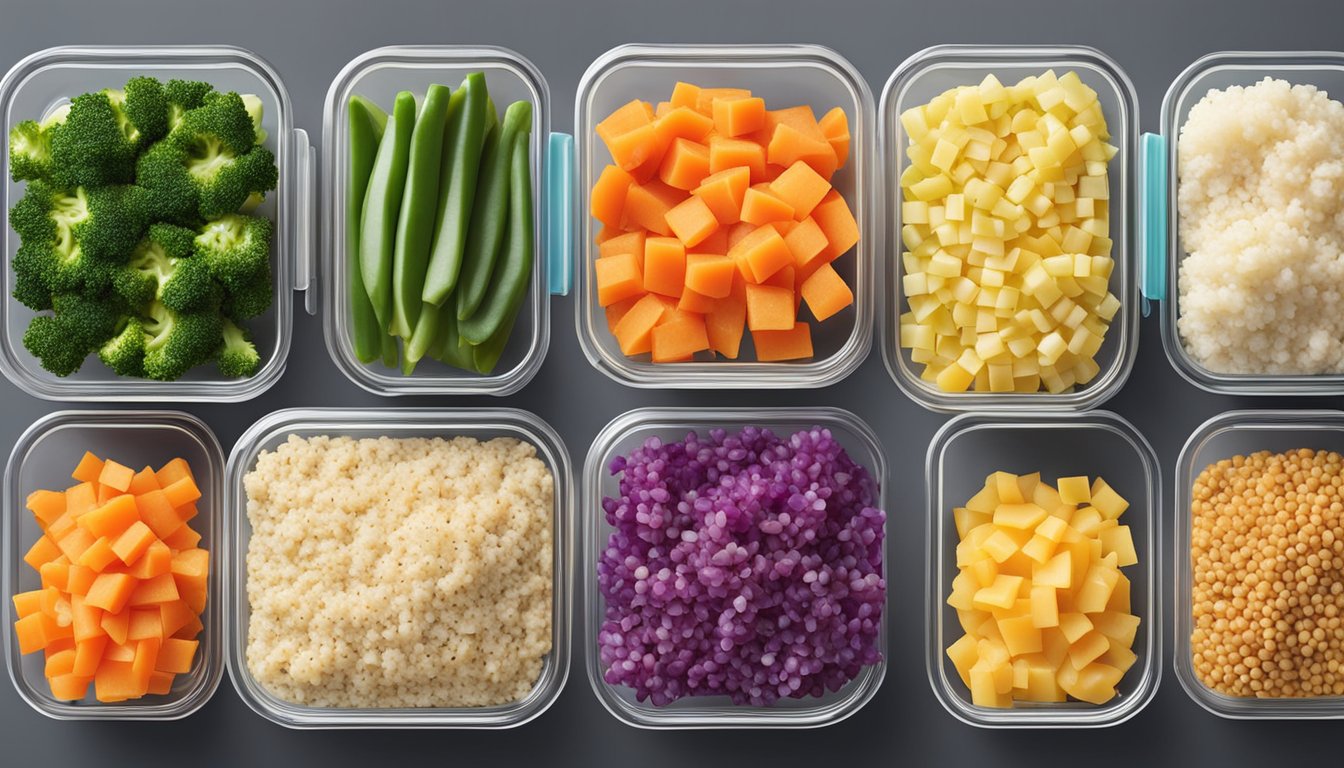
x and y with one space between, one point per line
399 572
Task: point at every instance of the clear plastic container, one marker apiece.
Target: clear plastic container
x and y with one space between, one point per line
1163 249
480 423
1231 434
628 432
937 69
43 458
378 75
47 79
784 75
970 447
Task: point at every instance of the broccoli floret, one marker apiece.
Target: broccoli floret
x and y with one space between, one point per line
251 300
30 146
78 326
221 124
238 356
147 108
154 272
117 219
53 226
177 342
30 290
184 186
170 192
97 144
237 248
256 110
124 353
184 95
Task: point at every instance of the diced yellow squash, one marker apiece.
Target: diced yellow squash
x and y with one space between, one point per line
1094 684
966 519
1054 646
1120 599
964 588
1039 549
1000 545
1044 607
1058 573
1052 529
1074 626
963 654
1074 490
1022 516
1020 674
984 689
985 571
1087 520
1000 594
1096 587
1042 687
1006 488
1120 627
1020 635
1118 540
1106 500
1120 656
1088 648
1046 497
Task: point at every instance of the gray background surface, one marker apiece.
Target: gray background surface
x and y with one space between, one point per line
308 42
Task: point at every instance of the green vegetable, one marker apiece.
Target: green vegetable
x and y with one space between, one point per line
71 240
489 211
485 356
415 220
183 96
177 342
238 355
366 130
447 347
79 325
124 353
30 147
508 284
382 202
237 249
461 163
162 269
146 107
96 145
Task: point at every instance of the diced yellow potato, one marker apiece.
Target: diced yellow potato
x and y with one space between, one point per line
1002 593
1051 528
1042 687
1087 521
1007 490
1096 587
983 693
1021 516
1057 573
1054 646
964 587
971 621
1074 626
1020 635
954 378
1119 626
1105 499
1039 549
985 571
1000 545
1046 497
966 519
964 655
1120 598
1021 671
1044 606
1074 490
1094 684
1117 539
985 501
1088 648
1120 656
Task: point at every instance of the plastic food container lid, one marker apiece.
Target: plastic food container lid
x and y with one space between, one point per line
926 75
43 458
1163 251
970 447
47 79
481 423
629 431
784 75
379 74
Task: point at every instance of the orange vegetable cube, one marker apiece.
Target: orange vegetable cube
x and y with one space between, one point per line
55 575
806 242
191 629
60 663
725 324
81 578
146 657
635 331
738 116
683 123
607 201
119 652
647 204
664 265
800 118
723 193
183 538
181 492
44 550
616 312
160 683
143 482
31 631
174 615
160 589
760 206
770 308
156 561
784 278
629 135
192 565
46 506
89 654
88 469
775 346
704 100
172 472
116 681
75 542
835 127
709 275
679 337
98 556
788 145
116 625
826 292
61 526
628 242
110 591
801 187
116 476
115 516
80 499
133 542
106 493
618 277
69 687
27 603
684 164
762 253
692 221
155 511
837 222
695 303
144 623
725 153
86 621
175 656
685 95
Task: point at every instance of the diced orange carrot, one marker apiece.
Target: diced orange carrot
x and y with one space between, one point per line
111 591
115 681
81 578
762 253
634 332
176 655
684 164
75 542
155 511
616 312
173 471
618 277
174 615
806 242
160 589
146 657
69 687
835 127
98 556
629 135
89 654
723 193
192 564
31 632
44 550
704 100
725 153
738 116
716 244
782 279
116 475
661 108
826 292
726 322
695 303
133 542
775 346
608 196
116 625
143 482
760 206
114 517
61 526
605 233
837 222
106 493
145 622
709 275
182 491
664 265
683 123
801 187
59 663
685 95
57 631
86 621
88 469
156 561
80 499
770 308
679 337
46 506
191 629
628 242
27 603
161 683
183 538
692 221
119 652
55 574
647 204
788 145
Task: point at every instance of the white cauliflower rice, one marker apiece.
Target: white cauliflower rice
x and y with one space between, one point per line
399 572
1261 200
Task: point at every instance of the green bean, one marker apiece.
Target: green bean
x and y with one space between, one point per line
485 357
415 222
508 284
366 121
489 211
382 202
447 347
457 187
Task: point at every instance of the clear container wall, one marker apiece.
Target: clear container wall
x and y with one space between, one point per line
483 424
961 456
379 75
48 79
930 73
43 458
627 433
1241 433
784 76
1325 70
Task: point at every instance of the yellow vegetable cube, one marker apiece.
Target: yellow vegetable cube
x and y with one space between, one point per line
1057 573
1094 684
1044 607
1074 626
1052 528
1121 657
967 519
1020 635
1002 593
1000 546
986 500
1074 490
1122 627
1006 487
1042 686
1021 516
1088 649
1105 499
1118 540
964 655
1039 549
1096 587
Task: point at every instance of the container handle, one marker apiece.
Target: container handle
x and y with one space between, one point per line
560 213
305 274
1153 219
